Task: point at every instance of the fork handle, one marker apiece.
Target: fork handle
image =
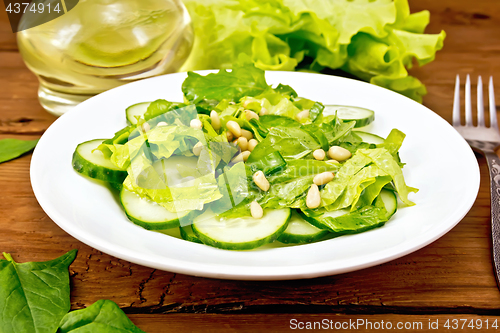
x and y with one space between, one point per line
494 167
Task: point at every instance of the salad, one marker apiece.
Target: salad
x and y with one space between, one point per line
239 164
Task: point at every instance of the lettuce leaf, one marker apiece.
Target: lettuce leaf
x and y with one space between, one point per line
374 40
362 177
385 161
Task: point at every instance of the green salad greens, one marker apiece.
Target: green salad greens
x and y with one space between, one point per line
239 164
35 297
375 40
13 148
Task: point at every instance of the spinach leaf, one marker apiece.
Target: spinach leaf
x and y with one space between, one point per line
269 163
243 80
34 296
316 111
337 130
272 120
285 90
302 168
317 134
13 148
259 131
103 316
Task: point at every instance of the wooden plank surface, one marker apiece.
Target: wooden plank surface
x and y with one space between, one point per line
451 278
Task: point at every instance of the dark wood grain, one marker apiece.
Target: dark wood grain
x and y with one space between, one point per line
450 278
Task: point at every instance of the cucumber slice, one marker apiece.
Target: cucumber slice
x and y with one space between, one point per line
93 163
136 110
369 137
299 231
148 214
316 220
188 234
362 116
170 171
172 232
242 233
390 201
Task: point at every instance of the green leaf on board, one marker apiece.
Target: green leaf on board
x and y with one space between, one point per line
34 296
103 316
13 148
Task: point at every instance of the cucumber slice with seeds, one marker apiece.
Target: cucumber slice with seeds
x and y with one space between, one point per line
362 116
92 163
148 214
242 233
299 231
136 110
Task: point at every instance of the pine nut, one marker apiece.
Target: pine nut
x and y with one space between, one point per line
196 123
252 143
237 158
161 123
256 210
249 114
245 155
246 134
302 115
339 153
261 181
146 127
214 116
319 154
313 199
197 149
243 143
234 127
323 178
263 111
229 136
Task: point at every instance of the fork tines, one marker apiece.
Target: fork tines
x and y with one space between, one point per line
480 104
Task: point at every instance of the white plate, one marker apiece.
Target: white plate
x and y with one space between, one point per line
439 163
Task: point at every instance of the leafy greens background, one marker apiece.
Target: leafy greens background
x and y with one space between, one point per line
375 40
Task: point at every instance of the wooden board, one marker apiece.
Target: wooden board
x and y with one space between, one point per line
450 278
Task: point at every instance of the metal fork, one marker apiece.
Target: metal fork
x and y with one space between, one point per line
484 140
